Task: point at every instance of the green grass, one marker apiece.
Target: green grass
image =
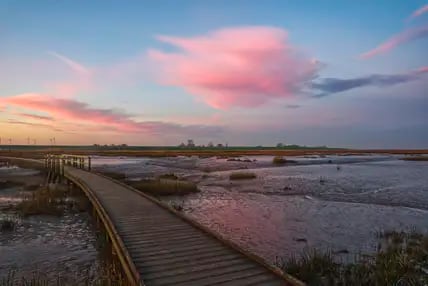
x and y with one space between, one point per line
401 259
164 187
242 176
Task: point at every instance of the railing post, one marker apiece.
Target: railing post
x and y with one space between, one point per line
89 163
62 166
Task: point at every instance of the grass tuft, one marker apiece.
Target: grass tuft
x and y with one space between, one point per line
242 176
415 158
42 202
164 187
279 160
170 176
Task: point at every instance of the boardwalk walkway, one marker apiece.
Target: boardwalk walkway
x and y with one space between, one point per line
163 248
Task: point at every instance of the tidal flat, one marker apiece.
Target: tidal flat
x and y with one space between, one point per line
330 202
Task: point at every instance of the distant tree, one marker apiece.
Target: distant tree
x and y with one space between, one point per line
219 145
210 145
190 143
279 145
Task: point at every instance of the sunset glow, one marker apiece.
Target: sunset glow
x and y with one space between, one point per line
246 74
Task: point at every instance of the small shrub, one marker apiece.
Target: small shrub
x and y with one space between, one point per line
279 160
242 176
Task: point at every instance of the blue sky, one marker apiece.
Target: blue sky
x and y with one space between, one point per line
138 88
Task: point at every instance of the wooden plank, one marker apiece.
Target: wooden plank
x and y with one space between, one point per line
165 268
140 262
216 275
199 267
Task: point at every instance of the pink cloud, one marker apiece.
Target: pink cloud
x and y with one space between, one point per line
402 38
35 116
420 11
81 113
243 67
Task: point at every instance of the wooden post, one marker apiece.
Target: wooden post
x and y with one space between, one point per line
62 167
89 163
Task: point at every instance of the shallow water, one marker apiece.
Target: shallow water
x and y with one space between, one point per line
311 203
52 246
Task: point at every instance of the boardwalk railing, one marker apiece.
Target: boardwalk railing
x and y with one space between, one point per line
124 258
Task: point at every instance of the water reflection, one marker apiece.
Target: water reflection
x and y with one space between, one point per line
53 246
311 203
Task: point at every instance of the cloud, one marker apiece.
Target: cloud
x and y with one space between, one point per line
419 12
78 112
243 67
397 40
32 124
328 86
75 66
34 116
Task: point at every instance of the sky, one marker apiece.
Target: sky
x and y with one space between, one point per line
328 72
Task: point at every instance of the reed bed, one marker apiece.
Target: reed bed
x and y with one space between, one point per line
164 187
242 176
401 259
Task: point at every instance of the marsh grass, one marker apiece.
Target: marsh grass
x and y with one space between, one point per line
8 223
114 175
170 176
415 158
242 176
44 201
9 184
164 187
279 160
79 204
401 259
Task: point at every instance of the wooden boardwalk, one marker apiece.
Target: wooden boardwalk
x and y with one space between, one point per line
158 246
